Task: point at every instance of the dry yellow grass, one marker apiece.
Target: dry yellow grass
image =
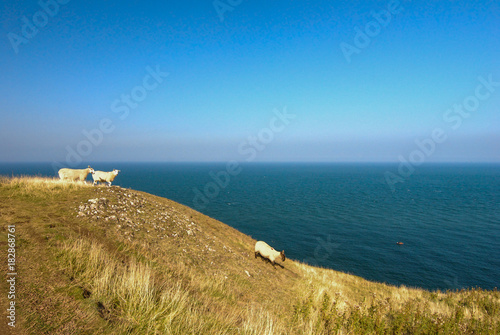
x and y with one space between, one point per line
33 185
143 305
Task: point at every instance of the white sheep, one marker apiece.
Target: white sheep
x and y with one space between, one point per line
75 174
266 251
101 176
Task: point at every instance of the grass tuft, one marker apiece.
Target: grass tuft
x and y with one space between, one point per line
39 186
126 293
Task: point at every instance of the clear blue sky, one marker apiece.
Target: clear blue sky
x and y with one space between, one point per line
361 85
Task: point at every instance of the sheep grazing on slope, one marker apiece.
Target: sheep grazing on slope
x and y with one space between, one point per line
101 176
75 174
266 251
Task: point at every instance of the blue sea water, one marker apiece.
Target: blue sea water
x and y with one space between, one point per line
344 216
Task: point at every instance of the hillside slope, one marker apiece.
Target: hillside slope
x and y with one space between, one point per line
108 260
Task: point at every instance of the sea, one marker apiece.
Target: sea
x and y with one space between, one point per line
347 217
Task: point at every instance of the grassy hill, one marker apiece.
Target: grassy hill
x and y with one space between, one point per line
108 260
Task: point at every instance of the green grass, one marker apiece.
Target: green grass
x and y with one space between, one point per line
159 267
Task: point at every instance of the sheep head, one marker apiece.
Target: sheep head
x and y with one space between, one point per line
282 254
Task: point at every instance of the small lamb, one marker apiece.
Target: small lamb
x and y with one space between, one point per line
266 251
101 176
75 174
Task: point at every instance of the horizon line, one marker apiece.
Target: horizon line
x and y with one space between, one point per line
252 163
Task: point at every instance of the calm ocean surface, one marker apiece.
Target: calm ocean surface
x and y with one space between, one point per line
344 217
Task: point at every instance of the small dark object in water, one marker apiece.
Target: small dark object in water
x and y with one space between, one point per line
400 243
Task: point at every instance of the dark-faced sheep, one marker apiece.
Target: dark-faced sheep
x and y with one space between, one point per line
266 251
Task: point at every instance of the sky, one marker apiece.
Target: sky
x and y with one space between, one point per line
254 81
